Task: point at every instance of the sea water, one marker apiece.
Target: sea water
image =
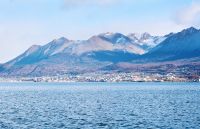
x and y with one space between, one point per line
99 105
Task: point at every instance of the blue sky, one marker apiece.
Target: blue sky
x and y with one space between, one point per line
27 22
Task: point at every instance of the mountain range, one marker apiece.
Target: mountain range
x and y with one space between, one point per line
106 51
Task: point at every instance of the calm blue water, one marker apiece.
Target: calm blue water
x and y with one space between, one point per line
99 105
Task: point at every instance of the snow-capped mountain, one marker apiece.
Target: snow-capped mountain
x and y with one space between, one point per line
101 42
145 40
62 55
65 55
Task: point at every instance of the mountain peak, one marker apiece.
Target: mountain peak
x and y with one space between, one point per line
138 36
61 39
170 34
134 36
145 36
106 34
94 38
190 30
111 35
33 48
115 37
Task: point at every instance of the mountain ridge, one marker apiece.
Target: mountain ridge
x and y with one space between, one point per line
184 44
62 55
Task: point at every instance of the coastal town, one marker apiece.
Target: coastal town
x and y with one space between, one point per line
107 77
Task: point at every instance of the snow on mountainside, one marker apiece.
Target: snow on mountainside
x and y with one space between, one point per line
115 38
102 42
122 42
106 42
56 46
112 43
62 55
146 41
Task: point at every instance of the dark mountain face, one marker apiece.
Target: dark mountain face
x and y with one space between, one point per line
185 44
36 65
54 65
1 67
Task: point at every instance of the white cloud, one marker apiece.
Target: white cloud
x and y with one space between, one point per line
72 3
189 15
